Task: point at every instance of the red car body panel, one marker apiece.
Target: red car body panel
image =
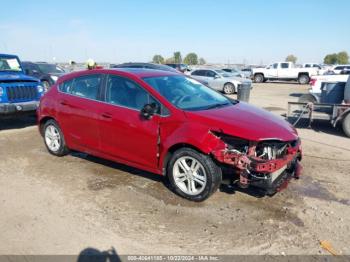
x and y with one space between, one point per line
121 134
246 121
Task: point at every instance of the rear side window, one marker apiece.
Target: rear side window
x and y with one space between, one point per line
199 73
124 92
284 65
66 86
85 86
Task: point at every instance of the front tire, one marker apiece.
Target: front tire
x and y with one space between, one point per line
193 175
259 78
303 79
346 125
229 89
54 139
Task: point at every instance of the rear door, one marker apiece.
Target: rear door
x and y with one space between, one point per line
78 104
124 133
284 71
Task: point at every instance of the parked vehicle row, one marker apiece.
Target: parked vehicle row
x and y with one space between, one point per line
172 125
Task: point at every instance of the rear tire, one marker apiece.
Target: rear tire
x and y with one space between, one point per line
303 79
346 125
54 139
259 78
193 175
229 89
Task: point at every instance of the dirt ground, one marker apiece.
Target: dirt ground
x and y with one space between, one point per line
53 205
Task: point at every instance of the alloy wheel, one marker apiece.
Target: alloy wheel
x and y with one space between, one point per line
189 175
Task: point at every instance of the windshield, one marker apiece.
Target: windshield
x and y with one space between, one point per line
10 64
50 69
187 93
223 73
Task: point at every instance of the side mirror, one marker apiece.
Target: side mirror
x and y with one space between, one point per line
216 76
149 110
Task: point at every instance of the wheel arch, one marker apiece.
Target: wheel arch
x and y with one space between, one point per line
171 150
341 117
304 73
43 121
259 73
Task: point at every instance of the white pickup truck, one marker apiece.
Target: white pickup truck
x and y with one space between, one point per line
284 71
316 82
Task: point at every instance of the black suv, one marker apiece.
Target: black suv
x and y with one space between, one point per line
47 73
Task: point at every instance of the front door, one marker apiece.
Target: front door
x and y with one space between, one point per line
124 133
272 71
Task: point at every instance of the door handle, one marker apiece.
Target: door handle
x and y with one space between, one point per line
107 115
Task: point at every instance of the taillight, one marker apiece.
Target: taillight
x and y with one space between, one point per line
313 81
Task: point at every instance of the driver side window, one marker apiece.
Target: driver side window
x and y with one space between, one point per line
123 92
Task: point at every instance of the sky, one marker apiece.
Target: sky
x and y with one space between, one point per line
220 31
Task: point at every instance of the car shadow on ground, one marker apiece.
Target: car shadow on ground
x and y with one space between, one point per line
120 167
319 126
251 191
229 189
17 122
296 94
94 255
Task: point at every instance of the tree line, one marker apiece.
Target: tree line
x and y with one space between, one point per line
190 59
330 59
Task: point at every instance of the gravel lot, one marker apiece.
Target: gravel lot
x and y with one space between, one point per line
63 205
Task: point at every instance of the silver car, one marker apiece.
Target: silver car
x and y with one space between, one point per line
220 80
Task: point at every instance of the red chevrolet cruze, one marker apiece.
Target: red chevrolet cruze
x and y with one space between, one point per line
171 125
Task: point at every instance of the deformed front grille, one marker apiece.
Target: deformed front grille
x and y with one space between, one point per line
21 93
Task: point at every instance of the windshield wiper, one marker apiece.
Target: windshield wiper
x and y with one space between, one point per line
217 105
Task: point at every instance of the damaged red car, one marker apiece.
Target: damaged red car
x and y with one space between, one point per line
169 124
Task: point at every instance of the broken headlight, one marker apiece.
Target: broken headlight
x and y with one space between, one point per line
234 143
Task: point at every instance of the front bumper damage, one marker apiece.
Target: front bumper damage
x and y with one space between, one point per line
272 174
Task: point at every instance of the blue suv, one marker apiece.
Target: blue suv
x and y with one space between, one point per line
18 92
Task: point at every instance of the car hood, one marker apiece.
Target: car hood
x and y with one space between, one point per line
16 77
245 121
